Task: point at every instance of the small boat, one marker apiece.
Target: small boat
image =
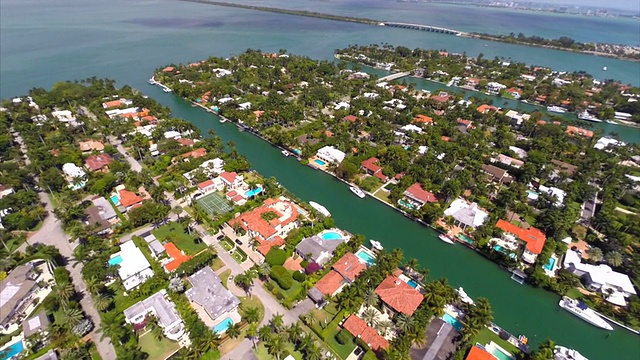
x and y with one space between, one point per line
588 117
359 193
152 81
285 153
167 90
223 120
464 297
556 109
564 353
376 245
604 68
446 239
610 122
582 311
321 209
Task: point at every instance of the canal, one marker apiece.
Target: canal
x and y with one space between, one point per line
520 309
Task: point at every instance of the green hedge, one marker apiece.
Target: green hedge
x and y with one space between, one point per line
299 276
196 263
276 256
343 337
281 276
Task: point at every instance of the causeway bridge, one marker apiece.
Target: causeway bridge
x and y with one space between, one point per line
424 28
394 76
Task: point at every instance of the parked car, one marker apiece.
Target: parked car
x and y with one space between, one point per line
239 242
220 237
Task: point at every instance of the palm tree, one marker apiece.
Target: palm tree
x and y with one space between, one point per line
384 326
545 350
252 315
275 346
412 264
64 291
252 334
93 285
233 331
595 254
371 298
294 332
614 258
102 302
306 342
244 281
177 210
370 315
277 321
405 323
418 337
72 316
313 353
265 333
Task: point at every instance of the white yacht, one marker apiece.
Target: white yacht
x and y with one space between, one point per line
464 297
564 353
223 120
588 117
285 153
359 193
376 245
321 209
446 239
581 310
556 109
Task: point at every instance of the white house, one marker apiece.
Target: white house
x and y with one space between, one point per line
605 142
342 105
554 192
232 180
412 128
73 171
215 166
244 106
466 214
494 87
63 115
164 311
172 134
331 154
133 267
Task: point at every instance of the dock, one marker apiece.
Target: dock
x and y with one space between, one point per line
395 76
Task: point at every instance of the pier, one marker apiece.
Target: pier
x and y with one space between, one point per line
394 76
424 28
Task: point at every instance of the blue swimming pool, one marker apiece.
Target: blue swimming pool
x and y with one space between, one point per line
115 200
115 260
223 325
412 283
319 162
297 151
366 257
466 239
406 204
549 265
502 250
253 192
331 235
452 321
12 350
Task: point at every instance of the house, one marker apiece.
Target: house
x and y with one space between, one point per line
484 108
101 214
496 174
418 196
213 166
36 324
359 329
441 98
269 233
198 153
412 128
466 215
509 161
98 162
554 192
344 272
516 93
317 249
206 187
129 199
5 191
163 309
64 116
91 145
350 118
423 119
156 248
605 142
330 154
572 130
533 237
116 103
521 153
133 267
208 293
614 285
73 171
371 167
185 142
516 117
495 88
49 355
16 292
398 296
564 168
176 257
232 180
479 353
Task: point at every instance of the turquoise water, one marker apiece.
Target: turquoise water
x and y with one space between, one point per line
253 192
115 200
319 162
331 235
297 151
500 249
13 350
499 354
412 283
406 204
549 265
222 326
532 194
452 321
466 239
115 260
366 257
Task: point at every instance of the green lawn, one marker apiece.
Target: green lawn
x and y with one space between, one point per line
225 276
252 302
342 351
239 255
486 336
262 353
227 244
382 195
290 293
217 264
175 233
574 293
157 349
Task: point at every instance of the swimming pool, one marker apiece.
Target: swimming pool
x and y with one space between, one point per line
465 238
253 192
12 350
498 352
331 235
502 250
297 151
452 321
532 195
549 265
223 325
115 200
366 257
406 204
319 162
412 283
115 260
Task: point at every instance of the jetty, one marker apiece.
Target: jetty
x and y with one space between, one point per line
395 76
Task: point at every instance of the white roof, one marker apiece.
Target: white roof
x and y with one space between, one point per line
468 213
600 274
133 263
244 105
342 105
72 170
559 194
332 153
172 134
604 142
411 127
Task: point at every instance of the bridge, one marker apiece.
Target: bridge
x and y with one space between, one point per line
394 76
424 28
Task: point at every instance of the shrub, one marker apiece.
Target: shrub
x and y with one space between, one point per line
362 344
369 355
276 256
196 263
281 276
299 276
304 264
312 267
343 337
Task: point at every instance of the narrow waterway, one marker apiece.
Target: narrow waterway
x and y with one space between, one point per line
518 308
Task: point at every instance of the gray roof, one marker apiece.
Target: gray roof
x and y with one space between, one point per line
207 291
35 324
50 355
315 295
315 246
14 289
106 210
156 248
165 310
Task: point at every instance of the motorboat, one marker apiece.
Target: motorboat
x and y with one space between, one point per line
446 239
285 153
152 81
604 68
564 353
582 311
359 193
166 89
464 297
556 109
588 117
376 245
321 209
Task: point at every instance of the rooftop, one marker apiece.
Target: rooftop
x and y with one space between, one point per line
534 237
207 291
97 162
13 289
330 283
359 328
399 295
417 192
349 266
163 309
37 323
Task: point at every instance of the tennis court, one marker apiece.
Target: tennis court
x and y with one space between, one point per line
214 204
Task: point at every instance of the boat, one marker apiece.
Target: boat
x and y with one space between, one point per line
588 117
604 68
446 239
152 81
285 153
582 311
610 122
564 353
464 297
556 109
166 89
359 193
376 245
321 209
223 120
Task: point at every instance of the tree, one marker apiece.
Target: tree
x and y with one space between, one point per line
595 254
64 291
252 333
276 256
102 302
614 258
233 331
370 316
294 332
177 210
370 297
72 316
251 315
275 346
277 321
244 281
176 285
405 323
545 351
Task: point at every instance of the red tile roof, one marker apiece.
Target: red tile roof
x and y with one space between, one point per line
194 154
572 130
399 295
266 245
484 108
371 165
330 283
97 162
423 119
445 138
186 142
110 104
128 198
349 266
359 328
168 69
229 177
477 353
534 237
351 118
441 98
417 191
205 184
177 256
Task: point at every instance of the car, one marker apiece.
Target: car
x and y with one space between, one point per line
220 237
126 153
239 242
